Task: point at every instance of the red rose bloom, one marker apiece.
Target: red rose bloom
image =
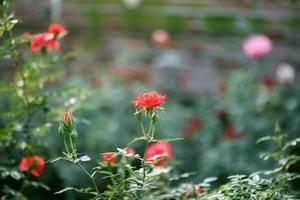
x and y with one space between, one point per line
130 151
149 100
159 152
111 158
56 29
43 40
34 164
68 117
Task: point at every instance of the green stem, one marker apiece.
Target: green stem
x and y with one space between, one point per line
144 164
142 128
92 179
72 147
66 146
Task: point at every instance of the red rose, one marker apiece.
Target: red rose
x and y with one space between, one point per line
43 40
56 29
129 151
111 158
68 118
159 152
149 100
34 164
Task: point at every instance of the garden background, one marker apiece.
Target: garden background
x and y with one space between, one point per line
220 101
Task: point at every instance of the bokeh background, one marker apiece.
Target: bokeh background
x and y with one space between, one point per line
219 100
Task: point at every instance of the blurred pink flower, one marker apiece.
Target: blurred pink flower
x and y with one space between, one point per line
161 37
257 46
285 73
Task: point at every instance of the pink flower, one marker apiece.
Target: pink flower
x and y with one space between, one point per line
257 46
161 37
42 40
56 29
159 152
34 164
149 100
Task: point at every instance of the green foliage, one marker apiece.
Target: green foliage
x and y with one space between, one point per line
29 105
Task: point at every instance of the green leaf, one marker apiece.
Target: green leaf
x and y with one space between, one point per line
81 190
263 139
291 143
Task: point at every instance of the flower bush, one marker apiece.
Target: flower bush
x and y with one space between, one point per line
30 105
152 177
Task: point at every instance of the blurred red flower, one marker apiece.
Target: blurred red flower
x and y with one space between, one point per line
222 87
222 114
56 29
159 152
231 133
268 81
111 158
149 100
26 35
41 40
34 164
200 190
194 124
129 73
